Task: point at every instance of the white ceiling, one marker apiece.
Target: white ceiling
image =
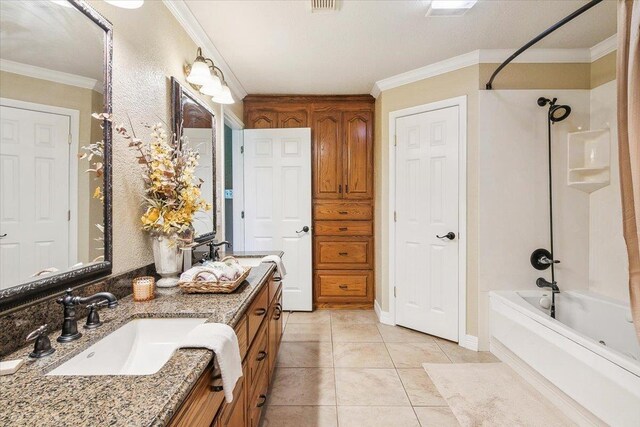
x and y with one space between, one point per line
281 47
51 36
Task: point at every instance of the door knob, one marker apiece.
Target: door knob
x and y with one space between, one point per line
305 229
450 235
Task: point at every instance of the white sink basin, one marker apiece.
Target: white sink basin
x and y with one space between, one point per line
249 262
140 347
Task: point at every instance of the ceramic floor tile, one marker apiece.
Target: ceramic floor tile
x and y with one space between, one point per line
305 354
400 334
436 416
303 386
318 316
369 387
459 354
413 355
420 388
377 416
354 316
361 355
307 332
297 416
347 332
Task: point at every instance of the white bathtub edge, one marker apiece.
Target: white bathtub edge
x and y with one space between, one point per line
569 407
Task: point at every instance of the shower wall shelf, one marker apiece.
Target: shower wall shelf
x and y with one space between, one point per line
589 159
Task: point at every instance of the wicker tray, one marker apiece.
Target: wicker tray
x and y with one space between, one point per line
213 287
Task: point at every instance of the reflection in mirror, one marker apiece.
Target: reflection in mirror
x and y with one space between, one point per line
52 159
195 122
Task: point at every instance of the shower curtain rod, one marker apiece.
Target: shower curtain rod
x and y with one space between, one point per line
540 37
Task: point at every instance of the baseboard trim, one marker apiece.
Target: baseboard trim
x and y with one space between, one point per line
383 316
572 409
469 342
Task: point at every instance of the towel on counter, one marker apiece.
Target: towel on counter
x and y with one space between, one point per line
280 270
223 341
200 273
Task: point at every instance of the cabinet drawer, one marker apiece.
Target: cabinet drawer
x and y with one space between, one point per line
343 253
241 333
234 414
258 399
342 211
343 228
257 313
201 405
335 285
258 357
274 287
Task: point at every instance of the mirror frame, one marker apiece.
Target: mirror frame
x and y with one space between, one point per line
177 92
23 294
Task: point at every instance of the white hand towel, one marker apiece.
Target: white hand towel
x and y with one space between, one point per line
223 341
280 270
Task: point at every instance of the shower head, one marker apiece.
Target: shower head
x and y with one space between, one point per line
557 113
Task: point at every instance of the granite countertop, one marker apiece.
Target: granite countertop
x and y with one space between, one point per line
29 397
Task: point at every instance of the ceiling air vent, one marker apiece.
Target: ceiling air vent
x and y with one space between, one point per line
323 5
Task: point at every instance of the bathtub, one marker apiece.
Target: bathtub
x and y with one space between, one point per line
590 351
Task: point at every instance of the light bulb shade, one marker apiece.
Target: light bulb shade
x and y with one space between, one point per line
126 4
212 87
225 96
199 74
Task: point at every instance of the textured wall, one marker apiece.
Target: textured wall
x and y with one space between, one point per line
149 47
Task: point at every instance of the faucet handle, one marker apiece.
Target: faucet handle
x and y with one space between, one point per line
93 319
42 346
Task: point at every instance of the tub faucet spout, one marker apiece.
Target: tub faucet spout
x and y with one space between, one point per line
543 283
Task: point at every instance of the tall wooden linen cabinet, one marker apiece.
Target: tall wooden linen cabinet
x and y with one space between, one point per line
342 193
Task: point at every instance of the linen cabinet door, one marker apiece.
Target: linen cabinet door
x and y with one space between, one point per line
358 155
327 155
262 119
292 119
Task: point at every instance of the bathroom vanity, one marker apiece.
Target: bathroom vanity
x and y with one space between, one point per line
185 391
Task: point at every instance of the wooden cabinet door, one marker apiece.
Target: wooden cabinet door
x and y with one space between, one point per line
292 119
327 155
358 155
262 119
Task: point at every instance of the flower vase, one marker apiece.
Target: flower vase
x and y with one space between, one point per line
168 259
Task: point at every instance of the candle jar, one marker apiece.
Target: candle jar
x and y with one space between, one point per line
144 288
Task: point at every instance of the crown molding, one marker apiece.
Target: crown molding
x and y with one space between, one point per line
188 21
432 70
50 75
603 48
496 56
229 116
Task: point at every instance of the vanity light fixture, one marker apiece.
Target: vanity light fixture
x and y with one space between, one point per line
208 79
126 4
449 7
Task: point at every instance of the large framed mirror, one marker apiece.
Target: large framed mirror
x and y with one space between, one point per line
195 123
55 158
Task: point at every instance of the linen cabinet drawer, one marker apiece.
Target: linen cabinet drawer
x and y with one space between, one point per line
343 228
342 211
343 253
201 405
258 399
344 285
241 333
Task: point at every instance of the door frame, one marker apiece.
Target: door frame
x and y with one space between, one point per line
74 130
461 103
237 141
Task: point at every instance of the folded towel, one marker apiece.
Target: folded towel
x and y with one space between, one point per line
280 270
200 273
223 341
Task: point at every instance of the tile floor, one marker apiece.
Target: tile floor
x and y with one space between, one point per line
344 368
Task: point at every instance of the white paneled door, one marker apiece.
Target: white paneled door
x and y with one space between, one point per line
427 222
277 205
34 193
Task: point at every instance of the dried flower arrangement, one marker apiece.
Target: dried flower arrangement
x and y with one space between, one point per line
172 192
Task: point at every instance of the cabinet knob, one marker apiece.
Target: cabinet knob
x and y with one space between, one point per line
262 400
261 356
260 312
343 287
343 253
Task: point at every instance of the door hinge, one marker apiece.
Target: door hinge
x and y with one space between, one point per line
68 215
395 140
69 139
242 149
242 214
394 292
395 216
